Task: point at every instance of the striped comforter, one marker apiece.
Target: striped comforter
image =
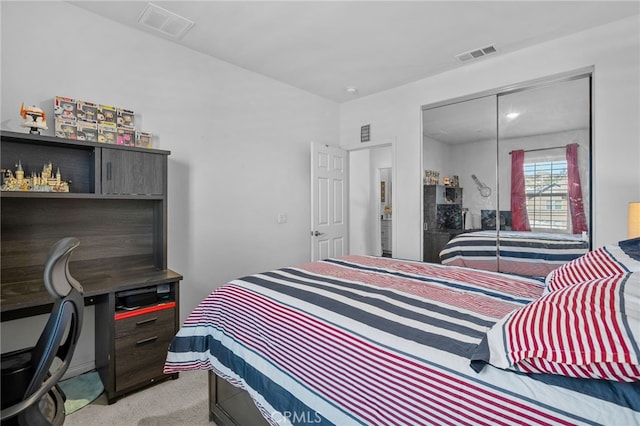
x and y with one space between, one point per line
366 340
523 253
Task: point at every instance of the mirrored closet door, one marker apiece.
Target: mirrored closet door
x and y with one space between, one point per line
460 163
507 177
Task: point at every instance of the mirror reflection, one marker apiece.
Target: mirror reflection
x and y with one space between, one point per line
459 157
507 179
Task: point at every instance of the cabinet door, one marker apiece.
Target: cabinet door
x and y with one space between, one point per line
434 242
132 172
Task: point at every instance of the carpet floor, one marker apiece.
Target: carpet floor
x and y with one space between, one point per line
183 401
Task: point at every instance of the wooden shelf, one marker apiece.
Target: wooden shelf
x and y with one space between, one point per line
78 196
62 142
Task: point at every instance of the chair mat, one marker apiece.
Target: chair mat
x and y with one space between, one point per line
81 390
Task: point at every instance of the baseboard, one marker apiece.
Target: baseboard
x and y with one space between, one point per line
76 370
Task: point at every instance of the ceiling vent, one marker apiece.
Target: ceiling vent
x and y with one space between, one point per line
478 53
168 23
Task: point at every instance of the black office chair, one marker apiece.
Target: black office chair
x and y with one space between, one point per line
30 394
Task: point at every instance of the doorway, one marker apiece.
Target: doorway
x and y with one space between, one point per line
369 215
386 211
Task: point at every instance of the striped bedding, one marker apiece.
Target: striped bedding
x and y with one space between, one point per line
377 341
523 253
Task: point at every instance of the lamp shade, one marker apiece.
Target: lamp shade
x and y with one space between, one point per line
633 230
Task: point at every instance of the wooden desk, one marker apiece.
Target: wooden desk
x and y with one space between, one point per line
22 299
117 208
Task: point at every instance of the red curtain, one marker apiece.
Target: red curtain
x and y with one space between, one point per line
578 218
520 218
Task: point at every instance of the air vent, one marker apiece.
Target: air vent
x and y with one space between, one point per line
168 23
477 53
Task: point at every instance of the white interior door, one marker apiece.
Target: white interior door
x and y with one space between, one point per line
329 201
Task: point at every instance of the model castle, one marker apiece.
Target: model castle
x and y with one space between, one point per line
45 182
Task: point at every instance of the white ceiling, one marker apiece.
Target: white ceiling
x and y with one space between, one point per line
551 108
324 46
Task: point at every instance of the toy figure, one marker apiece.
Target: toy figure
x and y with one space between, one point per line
34 118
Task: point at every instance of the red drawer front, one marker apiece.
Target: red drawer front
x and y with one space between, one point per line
142 311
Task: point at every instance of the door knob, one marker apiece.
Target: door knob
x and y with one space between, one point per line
316 233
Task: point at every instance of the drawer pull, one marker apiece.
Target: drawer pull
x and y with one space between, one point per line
147 321
149 340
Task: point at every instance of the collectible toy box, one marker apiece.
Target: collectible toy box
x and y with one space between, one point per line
64 108
87 131
107 133
126 136
106 114
144 139
87 111
65 128
125 118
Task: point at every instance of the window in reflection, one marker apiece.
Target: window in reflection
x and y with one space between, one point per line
547 196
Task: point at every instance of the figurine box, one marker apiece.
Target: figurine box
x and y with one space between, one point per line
87 131
106 114
66 128
87 111
126 136
64 108
124 118
144 139
107 133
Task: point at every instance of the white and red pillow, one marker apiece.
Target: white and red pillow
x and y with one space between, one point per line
589 329
611 260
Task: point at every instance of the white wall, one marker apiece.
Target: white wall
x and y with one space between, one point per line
477 158
360 195
614 51
239 140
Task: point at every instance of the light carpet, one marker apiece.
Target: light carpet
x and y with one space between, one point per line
183 401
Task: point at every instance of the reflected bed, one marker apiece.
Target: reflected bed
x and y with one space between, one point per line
522 253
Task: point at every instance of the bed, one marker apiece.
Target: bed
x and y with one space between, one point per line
368 340
513 252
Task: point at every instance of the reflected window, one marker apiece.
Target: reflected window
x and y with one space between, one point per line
547 195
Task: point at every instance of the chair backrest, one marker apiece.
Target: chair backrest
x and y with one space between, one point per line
65 319
57 279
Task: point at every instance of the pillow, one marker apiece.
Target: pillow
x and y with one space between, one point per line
589 330
607 261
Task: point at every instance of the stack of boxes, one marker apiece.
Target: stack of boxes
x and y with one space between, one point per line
125 128
106 120
92 122
66 116
87 121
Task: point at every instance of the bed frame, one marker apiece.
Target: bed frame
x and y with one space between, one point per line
230 405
